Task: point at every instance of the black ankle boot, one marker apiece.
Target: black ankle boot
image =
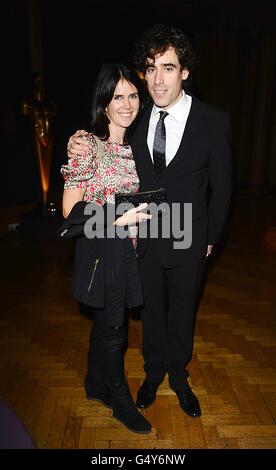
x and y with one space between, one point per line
125 410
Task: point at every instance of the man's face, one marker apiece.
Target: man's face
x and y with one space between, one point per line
164 78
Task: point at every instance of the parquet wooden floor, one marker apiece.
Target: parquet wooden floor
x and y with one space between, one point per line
44 341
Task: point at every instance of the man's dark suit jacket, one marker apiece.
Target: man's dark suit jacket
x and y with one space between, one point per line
200 173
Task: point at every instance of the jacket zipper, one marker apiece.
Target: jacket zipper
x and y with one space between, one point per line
93 274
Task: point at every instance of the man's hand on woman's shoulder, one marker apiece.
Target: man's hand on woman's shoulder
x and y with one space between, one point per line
76 145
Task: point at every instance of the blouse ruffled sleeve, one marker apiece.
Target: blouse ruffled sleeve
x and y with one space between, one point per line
80 169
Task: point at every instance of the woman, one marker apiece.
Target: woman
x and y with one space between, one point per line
108 168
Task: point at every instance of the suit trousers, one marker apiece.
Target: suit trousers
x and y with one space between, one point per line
168 317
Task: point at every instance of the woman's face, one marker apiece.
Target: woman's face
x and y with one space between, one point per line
124 106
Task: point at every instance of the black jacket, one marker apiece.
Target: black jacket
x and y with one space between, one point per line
200 173
105 269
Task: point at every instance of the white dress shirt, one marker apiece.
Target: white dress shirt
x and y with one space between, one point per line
175 124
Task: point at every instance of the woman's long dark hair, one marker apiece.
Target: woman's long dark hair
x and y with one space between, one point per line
107 80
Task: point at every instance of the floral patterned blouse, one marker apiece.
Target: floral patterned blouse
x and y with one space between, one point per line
102 176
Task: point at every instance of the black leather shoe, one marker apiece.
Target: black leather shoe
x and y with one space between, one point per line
188 402
146 394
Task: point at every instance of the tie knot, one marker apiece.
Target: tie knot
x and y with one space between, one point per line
163 114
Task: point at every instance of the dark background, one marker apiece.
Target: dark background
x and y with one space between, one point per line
235 41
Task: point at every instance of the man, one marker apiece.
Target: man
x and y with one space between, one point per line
180 144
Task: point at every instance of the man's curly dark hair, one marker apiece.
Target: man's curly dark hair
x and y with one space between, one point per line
157 39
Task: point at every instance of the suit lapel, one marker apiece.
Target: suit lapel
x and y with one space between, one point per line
189 134
143 144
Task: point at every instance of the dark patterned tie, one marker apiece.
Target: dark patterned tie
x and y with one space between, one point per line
159 144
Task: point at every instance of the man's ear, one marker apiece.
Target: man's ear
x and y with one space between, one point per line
185 73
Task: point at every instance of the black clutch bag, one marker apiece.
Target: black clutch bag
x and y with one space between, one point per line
156 196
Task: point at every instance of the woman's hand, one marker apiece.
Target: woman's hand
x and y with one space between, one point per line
76 145
133 216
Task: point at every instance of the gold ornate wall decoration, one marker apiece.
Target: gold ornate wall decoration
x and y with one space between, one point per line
41 114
